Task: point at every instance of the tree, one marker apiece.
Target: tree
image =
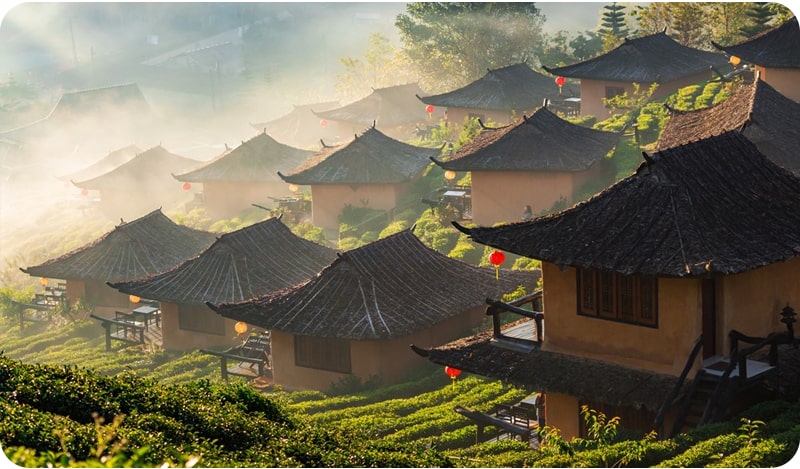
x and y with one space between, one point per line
689 24
613 21
383 65
451 44
586 45
726 19
653 18
759 15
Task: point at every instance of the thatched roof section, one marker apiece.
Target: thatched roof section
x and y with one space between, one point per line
384 107
716 206
547 371
256 160
149 244
656 58
766 117
300 127
515 87
371 158
541 142
240 265
104 165
778 47
389 288
149 169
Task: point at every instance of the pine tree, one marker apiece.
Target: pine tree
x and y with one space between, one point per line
613 21
759 15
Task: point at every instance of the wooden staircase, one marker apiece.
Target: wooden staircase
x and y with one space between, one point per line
694 404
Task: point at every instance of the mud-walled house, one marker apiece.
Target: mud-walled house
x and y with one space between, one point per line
501 96
656 58
762 114
775 53
373 170
395 110
240 265
537 162
136 186
245 175
144 246
357 317
300 128
684 273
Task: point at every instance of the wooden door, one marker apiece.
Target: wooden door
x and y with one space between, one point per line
709 293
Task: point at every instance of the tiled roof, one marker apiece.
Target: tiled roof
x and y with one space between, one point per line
105 164
385 107
371 158
391 287
300 127
715 206
151 168
546 371
764 116
239 265
648 59
541 142
256 160
778 47
515 87
149 244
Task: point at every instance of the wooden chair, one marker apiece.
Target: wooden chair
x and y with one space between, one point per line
250 360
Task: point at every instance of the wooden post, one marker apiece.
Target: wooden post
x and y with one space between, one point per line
224 362
107 327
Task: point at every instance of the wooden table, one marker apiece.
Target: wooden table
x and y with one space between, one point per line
147 314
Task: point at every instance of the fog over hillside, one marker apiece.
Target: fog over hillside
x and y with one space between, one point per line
191 61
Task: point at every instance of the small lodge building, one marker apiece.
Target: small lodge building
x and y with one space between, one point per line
133 188
501 96
685 270
301 128
536 162
246 174
656 58
766 117
395 110
149 244
240 265
775 53
373 170
104 164
358 315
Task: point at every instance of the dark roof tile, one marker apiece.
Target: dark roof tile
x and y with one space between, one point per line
778 47
715 206
541 142
656 58
243 264
149 244
389 288
371 158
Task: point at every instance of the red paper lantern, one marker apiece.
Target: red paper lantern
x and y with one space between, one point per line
429 108
560 81
186 186
452 372
84 192
496 258
323 123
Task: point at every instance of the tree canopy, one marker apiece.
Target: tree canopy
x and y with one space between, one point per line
451 44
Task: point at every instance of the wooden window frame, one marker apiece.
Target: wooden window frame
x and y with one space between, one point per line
600 284
322 353
614 91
